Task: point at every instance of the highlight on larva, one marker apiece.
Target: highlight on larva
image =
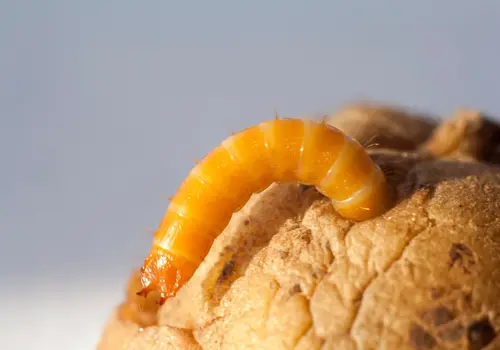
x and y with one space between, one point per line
281 150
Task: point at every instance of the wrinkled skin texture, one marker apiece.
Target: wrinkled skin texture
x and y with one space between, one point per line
289 273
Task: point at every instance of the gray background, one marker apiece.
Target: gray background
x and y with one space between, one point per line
104 107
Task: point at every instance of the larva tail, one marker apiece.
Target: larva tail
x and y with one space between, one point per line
165 272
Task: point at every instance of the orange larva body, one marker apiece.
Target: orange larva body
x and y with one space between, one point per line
281 150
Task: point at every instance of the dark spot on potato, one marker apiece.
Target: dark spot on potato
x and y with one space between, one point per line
226 272
306 236
437 292
328 246
438 316
246 222
295 289
284 254
480 334
421 339
459 249
452 333
461 256
410 269
467 300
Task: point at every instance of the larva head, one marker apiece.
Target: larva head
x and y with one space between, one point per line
165 273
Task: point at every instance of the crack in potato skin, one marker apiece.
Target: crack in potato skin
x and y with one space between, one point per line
397 258
364 259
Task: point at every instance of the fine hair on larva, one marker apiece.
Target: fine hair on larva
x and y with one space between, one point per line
280 150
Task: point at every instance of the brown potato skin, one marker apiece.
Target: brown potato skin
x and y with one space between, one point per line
387 126
289 273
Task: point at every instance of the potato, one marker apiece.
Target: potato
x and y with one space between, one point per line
289 273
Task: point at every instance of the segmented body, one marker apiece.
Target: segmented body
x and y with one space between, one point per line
281 150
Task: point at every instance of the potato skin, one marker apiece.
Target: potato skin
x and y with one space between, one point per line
388 126
119 334
289 273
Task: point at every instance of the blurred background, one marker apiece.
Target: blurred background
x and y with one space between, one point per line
106 105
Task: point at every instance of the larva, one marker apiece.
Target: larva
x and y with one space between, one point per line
280 150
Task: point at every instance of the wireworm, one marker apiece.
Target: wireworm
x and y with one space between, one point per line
280 150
